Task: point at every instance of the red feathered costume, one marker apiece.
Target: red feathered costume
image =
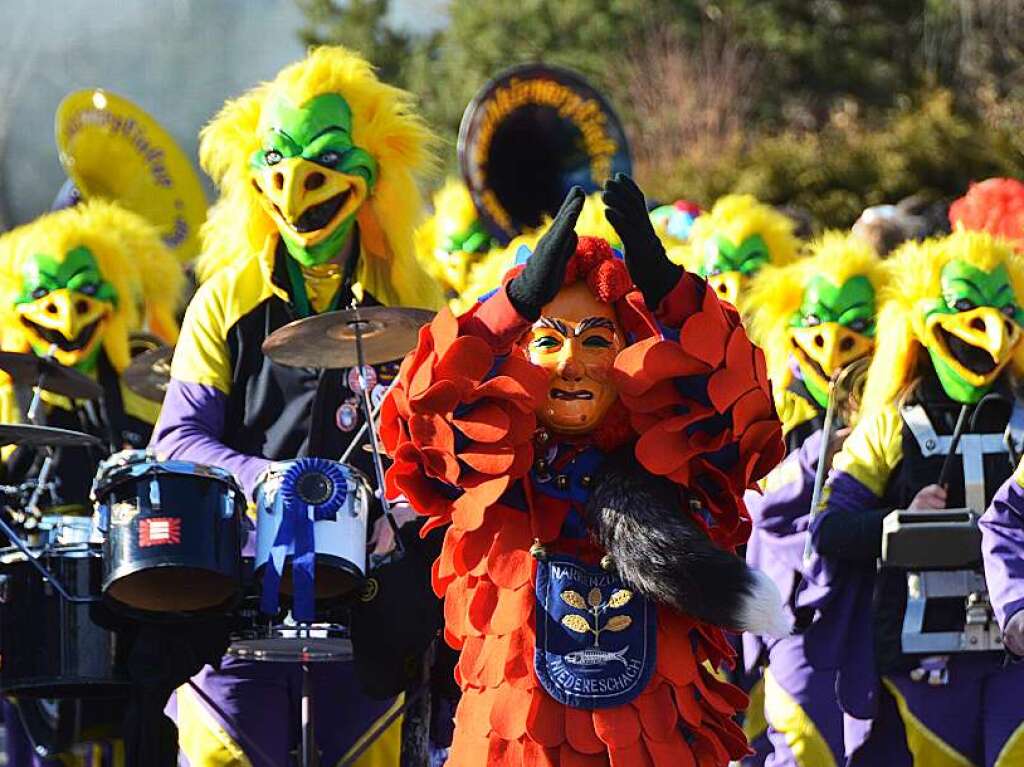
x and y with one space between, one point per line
460 425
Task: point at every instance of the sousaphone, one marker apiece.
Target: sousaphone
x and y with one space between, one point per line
529 135
110 148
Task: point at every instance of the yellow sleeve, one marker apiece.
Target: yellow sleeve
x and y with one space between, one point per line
9 413
873 450
794 410
202 355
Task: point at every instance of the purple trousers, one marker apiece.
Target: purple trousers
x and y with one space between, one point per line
814 693
977 718
254 708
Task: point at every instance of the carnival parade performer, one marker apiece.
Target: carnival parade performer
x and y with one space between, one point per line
76 283
317 174
815 317
731 242
587 443
452 242
948 349
1002 545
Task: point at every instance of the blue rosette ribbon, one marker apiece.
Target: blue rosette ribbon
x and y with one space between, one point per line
312 490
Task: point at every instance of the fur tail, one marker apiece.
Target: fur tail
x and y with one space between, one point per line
642 521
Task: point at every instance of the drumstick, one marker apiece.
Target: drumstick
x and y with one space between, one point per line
954 444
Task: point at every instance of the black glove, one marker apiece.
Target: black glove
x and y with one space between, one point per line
541 279
649 267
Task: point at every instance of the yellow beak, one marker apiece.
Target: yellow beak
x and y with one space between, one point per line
64 319
727 285
962 335
829 347
308 199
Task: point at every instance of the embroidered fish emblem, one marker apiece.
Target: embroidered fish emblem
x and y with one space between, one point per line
597 657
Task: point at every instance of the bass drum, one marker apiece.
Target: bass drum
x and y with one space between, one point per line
53 648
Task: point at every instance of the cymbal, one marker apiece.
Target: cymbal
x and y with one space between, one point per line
149 373
328 340
26 369
30 435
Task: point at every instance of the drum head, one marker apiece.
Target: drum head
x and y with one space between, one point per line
188 589
334 577
317 643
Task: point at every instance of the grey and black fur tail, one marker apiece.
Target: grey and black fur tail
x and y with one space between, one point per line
659 549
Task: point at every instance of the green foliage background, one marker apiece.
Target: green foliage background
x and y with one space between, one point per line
825 104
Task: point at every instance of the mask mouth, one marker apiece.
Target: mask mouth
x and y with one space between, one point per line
320 215
58 339
578 394
970 357
810 362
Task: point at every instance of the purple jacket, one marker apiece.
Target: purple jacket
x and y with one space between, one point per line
1002 547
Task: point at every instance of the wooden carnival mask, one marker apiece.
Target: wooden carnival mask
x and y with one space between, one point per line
576 340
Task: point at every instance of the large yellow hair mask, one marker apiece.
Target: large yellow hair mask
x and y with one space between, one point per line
383 125
956 299
85 276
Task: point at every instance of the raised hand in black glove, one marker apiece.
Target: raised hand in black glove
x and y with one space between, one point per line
541 278
649 267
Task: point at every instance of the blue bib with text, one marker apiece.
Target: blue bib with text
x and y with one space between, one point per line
595 635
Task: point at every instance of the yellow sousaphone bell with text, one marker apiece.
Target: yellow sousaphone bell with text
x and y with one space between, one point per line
112 149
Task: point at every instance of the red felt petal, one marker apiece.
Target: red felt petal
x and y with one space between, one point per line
569 757
519 663
469 552
491 664
504 753
456 601
580 732
474 711
634 755
509 562
488 422
481 605
488 459
687 705
673 752
513 608
657 711
508 716
536 755
545 722
467 358
675 657
618 726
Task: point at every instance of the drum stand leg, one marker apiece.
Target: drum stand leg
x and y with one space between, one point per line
309 755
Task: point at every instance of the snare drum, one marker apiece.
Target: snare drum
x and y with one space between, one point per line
53 648
171 533
339 540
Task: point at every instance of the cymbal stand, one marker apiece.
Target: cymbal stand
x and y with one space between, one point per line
366 424
32 507
378 464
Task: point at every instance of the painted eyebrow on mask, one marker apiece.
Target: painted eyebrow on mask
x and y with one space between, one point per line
586 324
595 322
555 324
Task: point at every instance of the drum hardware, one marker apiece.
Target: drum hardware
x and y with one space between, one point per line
936 539
980 632
149 374
364 391
33 558
958 430
366 423
329 340
46 374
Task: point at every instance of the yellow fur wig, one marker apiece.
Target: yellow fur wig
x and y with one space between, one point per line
454 212
776 293
915 275
737 217
383 124
130 254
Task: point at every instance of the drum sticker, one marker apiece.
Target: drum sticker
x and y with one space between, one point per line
159 531
595 635
369 373
122 513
